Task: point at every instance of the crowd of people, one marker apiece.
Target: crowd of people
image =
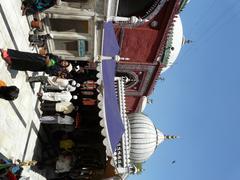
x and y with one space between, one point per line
71 158
67 90
60 91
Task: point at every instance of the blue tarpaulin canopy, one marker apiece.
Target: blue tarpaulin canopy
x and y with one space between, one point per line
113 124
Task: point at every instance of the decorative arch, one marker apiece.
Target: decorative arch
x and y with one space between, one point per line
131 78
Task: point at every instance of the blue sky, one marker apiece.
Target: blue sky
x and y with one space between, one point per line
199 99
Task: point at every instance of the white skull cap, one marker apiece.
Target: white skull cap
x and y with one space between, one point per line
75 97
73 83
78 85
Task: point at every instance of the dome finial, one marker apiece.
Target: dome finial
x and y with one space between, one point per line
186 41
170 137
183 4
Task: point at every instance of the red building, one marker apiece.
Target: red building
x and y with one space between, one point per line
150 43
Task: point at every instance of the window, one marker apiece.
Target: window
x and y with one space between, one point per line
82 47
69 46
69 25
78 48
77 4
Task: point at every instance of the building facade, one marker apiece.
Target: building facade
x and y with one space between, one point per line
150 36
151 46
76 26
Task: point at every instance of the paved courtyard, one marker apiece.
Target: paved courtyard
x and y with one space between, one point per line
19 122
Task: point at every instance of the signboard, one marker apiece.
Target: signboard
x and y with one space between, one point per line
81 48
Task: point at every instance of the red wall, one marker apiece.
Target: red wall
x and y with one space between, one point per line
143 44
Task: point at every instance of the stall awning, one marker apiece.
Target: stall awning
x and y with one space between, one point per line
113 127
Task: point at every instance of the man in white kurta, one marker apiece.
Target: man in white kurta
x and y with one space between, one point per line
55 83
62 84
57 96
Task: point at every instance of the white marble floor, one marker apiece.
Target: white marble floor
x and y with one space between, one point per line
19 122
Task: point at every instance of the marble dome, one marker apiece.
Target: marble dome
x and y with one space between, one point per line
176 42
144 137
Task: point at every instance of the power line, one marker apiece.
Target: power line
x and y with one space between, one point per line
202 16
219 21
211 30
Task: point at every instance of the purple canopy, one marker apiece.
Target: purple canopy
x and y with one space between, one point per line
113 119
110 44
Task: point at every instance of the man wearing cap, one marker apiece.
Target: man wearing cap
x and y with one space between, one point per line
53 83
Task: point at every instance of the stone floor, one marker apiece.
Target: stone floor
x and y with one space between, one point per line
19 119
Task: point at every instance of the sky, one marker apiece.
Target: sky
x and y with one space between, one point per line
199 99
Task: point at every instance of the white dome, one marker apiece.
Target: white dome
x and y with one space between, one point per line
144 137
176 43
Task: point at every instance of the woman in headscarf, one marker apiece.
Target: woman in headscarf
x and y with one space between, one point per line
26 61
9 93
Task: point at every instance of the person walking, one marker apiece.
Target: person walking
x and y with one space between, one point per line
52 83
26 61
